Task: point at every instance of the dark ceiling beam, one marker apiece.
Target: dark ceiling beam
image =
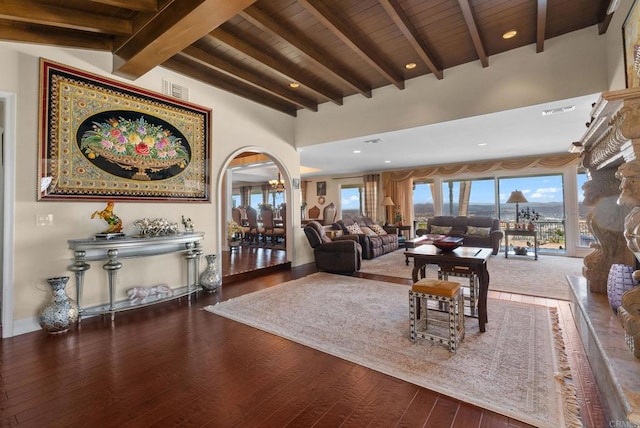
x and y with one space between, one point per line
467 13
603 25
139 5
541 25
223 82
62 17
606 15
278 65
411 34
210 61
346 33
69 39
169 31
308 48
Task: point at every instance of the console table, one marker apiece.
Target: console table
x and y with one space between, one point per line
92 249
520 232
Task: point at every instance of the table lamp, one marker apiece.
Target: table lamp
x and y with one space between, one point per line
387 202
516 197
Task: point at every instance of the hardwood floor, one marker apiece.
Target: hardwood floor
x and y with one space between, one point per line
174 364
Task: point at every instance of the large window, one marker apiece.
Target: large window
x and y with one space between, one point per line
351 200
545 207
469 197
423 208
585 235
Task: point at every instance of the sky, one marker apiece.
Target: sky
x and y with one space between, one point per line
535 189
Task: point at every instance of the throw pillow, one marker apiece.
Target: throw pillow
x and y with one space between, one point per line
378 229
354 229
440 230
478 231
368 231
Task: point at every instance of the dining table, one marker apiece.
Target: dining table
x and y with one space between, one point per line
473 258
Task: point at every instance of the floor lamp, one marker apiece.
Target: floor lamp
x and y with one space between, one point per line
387 202
517 197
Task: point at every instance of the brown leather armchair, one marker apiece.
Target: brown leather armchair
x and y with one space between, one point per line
342 255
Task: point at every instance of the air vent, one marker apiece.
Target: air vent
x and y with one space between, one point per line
175 90
558 110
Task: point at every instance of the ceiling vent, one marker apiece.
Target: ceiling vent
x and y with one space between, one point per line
175 90
373 141
558 110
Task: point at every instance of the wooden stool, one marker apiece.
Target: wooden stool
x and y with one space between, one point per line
474 285
445 293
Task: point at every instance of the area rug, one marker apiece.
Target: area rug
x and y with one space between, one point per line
545 277
517 367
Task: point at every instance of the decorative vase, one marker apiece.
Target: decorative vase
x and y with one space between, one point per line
210 278
620 280
62 311
234 244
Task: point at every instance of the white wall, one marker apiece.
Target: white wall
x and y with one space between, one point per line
41 251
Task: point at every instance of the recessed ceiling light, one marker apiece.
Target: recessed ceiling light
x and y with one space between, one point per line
509 34
356 151
294 85
482 144
387 161
410 65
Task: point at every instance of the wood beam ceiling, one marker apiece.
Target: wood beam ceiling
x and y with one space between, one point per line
139 5
345 32
308 48
467 13
169 31
541 27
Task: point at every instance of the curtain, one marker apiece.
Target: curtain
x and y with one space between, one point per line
371 195
401 193
245 196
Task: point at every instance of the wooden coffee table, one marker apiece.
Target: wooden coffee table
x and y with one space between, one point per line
420 240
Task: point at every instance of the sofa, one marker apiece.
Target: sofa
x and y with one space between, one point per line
477 231
342 255
373 239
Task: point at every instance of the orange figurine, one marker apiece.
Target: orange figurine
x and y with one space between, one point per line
115 224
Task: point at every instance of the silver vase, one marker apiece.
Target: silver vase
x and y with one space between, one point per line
210 277
61 312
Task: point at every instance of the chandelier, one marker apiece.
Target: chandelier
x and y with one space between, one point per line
277 185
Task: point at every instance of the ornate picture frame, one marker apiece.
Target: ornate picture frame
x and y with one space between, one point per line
631 42
103 139
321 188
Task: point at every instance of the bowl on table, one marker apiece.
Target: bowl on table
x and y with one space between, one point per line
449 243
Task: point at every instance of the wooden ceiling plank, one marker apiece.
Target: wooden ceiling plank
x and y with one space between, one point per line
138 5
541 25
467 13
407 28
172 29
281 67
358 44
55 38
221 81
603 25
322 59
54 16
204 58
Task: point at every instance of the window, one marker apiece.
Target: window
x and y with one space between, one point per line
423 208
351 200
545 199
469 197
235 200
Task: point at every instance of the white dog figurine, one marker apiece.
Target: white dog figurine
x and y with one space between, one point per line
140 294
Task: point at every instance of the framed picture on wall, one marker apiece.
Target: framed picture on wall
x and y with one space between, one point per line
103 139
321 189
631 41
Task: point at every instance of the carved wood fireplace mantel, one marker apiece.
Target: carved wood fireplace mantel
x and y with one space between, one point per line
611 155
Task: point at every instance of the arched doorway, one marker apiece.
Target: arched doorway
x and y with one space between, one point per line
254 178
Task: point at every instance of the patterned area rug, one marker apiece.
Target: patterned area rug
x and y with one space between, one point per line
545 277
517 368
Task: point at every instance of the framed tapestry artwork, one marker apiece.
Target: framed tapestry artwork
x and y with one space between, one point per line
102 139
631 40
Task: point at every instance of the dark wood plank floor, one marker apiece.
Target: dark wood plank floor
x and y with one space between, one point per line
174 364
